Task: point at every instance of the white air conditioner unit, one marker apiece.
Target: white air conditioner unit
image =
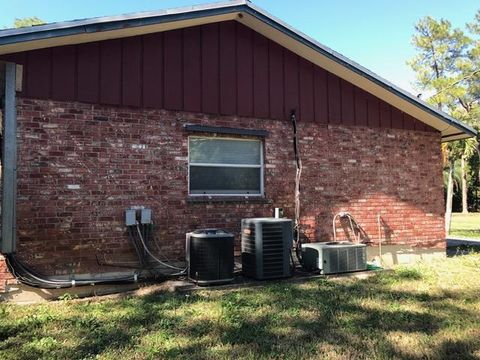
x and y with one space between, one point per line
334 257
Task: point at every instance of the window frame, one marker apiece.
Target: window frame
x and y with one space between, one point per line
261 166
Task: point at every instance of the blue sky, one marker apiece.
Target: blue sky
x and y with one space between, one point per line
374 33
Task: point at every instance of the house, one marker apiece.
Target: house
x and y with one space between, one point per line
188 112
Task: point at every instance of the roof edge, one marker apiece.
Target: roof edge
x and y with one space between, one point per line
109 23
355 67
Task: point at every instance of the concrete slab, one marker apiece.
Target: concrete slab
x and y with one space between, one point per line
25 295
391 255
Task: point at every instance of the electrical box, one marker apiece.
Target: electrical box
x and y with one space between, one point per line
130 217
146 216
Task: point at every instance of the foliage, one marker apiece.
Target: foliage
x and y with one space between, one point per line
422 312
447 67
440 49
28 21
67 296
474 180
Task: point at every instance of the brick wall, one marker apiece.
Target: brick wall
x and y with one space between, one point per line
5 277
80 166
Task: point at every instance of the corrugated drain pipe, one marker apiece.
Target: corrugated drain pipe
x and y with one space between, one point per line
29 277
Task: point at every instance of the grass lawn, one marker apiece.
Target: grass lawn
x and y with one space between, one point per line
423 312
466 225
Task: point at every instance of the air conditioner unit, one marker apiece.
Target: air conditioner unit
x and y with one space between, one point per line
209 255
334 257
266 246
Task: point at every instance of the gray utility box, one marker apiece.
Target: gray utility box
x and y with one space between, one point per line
210 256
266 246
334 257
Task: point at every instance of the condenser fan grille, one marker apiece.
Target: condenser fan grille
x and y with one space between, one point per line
266 244
273 250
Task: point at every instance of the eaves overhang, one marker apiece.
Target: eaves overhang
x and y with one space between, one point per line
104 28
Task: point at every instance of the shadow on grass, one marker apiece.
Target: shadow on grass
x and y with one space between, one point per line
353 319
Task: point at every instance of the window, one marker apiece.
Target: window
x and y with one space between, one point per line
221 166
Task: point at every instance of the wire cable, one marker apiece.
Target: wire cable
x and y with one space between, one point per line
182 270
28 276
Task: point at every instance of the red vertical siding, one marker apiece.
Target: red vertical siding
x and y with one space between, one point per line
173 92
39 70
228 68
334 99
361 115
222 68
348 103
210 69
307 108
132 71
373 111
397 119
291 91
408 122
260 76
244 71
111 72
321 95
276 81
88 72
419 126
192 71
153 67
385 115
64 73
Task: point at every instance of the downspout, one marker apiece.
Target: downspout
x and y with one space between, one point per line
9 162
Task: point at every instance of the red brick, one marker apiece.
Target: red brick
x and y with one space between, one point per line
366 171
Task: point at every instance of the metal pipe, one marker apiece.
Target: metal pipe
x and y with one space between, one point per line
182 270
9 163
27 276
379 239
353 224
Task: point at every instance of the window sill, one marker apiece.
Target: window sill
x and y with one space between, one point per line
228 199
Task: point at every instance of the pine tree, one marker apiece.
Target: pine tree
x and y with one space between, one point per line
441 49
472 75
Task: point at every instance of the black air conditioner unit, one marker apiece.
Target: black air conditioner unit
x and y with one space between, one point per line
266 246
209 255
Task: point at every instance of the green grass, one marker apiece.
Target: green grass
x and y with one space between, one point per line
421 312
466 225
